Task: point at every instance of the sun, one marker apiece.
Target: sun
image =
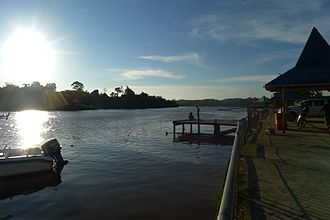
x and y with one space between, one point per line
27 57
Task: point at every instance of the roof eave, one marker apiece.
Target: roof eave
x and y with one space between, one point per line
295 87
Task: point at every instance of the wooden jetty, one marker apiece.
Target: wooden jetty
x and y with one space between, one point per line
216 123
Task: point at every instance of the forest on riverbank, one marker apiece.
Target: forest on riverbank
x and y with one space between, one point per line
232 102
45 97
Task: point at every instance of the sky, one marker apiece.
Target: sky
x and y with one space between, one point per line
177 49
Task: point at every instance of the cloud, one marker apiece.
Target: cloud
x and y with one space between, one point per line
116 70
138 74
190 57
279 55
257 78
256 20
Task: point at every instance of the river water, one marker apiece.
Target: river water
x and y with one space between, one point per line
121 165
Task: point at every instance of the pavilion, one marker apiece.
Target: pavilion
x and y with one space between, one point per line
311 72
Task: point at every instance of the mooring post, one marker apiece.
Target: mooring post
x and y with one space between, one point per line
190 128
173 131
182 128
216 127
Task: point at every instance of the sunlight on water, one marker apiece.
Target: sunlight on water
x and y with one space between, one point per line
125 157
30 125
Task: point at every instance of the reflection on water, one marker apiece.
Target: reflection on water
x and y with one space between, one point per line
27 184
31 126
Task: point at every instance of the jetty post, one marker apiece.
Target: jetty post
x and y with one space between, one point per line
198 120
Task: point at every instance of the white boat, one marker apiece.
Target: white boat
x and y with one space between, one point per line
15 162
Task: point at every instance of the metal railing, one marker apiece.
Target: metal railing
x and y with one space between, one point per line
228 195
226 210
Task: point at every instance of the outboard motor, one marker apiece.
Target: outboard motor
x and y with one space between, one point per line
52 148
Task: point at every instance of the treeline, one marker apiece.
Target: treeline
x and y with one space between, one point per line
233 102
37 96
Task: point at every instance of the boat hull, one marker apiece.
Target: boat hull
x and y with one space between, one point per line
13 166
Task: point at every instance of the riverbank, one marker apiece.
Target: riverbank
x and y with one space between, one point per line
285 176
14 98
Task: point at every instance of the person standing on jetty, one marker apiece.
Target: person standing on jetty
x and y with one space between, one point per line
326 109
198 110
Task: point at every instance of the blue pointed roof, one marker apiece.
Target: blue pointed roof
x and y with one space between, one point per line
312 70
316 51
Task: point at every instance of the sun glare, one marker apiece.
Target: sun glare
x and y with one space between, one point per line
27 57
31 125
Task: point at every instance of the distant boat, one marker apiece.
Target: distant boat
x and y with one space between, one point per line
15 162
5 116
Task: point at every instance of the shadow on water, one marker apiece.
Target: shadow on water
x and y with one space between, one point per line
205 139
29 183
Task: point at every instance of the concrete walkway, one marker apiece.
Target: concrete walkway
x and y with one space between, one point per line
285 176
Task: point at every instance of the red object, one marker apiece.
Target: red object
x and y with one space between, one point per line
278 121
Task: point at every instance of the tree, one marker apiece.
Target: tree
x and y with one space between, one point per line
143 94
51 86
95 92
119 90
307 94
129 92
36 85
104 90
78 86
10 85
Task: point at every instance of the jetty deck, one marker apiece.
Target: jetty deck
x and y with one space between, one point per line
285 176
207 122
218 136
